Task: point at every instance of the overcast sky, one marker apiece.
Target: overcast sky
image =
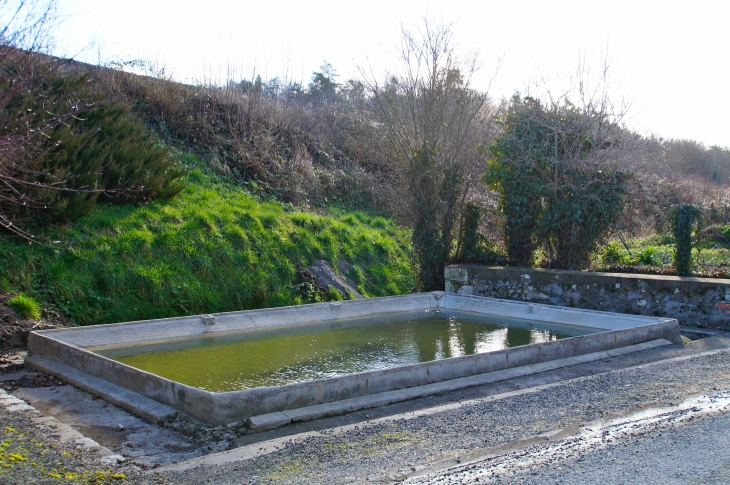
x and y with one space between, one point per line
669 60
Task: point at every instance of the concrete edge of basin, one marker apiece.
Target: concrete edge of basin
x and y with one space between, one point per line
225 408
265 422
154 411
215 409
231 406
140 331
133 402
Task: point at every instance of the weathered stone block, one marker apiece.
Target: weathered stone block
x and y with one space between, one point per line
456 274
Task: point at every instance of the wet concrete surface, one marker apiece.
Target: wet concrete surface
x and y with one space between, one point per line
110 426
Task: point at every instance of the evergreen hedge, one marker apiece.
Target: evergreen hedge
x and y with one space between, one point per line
70 145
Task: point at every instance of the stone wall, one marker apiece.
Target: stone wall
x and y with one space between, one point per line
704 302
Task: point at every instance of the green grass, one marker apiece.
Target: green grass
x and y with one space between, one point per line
212 248
655 254
25 307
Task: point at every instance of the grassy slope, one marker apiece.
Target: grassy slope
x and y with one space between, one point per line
211 249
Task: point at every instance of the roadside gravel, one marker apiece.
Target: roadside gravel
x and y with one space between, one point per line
695 453
32 453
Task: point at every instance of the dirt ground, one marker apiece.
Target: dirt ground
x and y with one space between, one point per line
14 329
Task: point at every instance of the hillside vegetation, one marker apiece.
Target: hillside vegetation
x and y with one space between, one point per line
66 144
327 144
212 248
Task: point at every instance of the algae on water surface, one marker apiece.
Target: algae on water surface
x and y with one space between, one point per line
294 354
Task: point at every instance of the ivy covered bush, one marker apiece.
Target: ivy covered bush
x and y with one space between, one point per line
559 187
473 246
435 190
684 219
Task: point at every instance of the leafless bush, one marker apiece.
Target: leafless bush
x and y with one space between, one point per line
273 135
665 176
433 121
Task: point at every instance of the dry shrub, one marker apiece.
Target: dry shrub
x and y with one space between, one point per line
652 198
334 152
300 151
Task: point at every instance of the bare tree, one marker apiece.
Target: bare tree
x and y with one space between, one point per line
27 24
431 115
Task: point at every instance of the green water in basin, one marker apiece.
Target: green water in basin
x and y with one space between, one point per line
295 354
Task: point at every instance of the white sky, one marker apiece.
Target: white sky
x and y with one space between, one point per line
669 59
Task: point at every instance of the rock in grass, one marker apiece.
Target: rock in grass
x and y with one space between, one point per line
325 276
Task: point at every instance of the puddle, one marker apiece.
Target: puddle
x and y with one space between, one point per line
590 438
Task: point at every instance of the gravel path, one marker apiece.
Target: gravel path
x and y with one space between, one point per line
409 445
696 452
654 443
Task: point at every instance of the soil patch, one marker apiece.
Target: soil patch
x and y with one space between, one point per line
14 329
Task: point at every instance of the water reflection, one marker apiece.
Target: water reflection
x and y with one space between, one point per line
268 358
